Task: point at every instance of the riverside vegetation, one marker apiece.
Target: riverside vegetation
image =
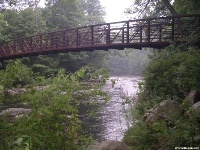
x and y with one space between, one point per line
170 75
54 110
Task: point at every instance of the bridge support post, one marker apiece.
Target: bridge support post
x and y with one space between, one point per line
173 22
160 32
108 35
92 35
64 38
31 43
40 42
149 31
127 40
140 28
77 38
52 42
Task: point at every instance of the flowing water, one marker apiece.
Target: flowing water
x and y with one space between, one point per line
112 119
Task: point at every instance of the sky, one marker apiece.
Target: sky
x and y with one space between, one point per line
115 8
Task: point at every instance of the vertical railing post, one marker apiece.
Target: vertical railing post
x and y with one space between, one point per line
6 49
92 35
173 23
64 38
128 27
123 35
140 28
108 34
149 31
160 34
31 43
77 37
14 47
52 42
40 42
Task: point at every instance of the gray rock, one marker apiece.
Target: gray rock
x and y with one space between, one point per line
193 97
14 91
194 111
113 145
15 112
196 106
197 138
165 110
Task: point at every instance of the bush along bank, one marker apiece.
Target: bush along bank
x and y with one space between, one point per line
48 117
168 105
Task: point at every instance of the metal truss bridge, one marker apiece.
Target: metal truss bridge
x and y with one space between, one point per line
153 33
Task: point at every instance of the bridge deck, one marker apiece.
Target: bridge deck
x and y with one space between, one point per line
153 32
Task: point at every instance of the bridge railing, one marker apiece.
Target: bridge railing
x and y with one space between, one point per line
153 32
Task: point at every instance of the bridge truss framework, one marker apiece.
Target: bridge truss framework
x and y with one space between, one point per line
153 32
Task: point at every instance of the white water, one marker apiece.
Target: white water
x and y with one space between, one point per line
115 115
112 119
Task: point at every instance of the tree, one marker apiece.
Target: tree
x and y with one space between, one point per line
16 74
157 8
187 7
58 14
23 23
170 7
66 14
93 11
148 8
63 14
3 25
18 4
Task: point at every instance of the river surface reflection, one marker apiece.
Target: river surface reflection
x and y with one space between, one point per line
112 118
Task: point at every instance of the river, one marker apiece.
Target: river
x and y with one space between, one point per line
112 118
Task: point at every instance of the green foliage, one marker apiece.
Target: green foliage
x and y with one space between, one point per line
26 18
54 121
187 7
139 137
148 8
1 94
22 143
16 74
94 11
173 73
23 23
160 135
3 25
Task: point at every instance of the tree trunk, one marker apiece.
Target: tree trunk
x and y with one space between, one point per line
170 7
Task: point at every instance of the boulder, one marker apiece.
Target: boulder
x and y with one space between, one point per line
16 112
193 97
197 139
165 110
82 93
113 145
196 106
194 111
14 91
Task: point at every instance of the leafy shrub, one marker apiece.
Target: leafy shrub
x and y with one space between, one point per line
162 136
139 137
173 72
16 74
54 121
